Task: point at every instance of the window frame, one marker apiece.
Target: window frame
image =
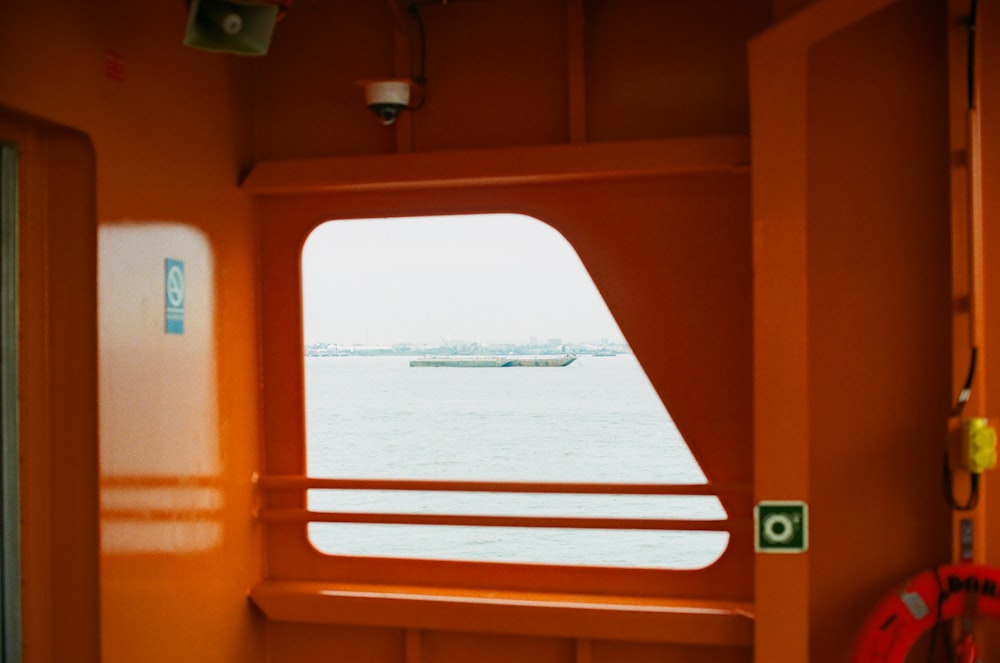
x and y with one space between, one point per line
468 486
292 202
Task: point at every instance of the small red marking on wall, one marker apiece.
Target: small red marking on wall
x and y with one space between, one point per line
114 66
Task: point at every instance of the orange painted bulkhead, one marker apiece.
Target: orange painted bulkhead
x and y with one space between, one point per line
169 142
767 196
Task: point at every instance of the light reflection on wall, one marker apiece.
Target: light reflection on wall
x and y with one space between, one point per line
160 454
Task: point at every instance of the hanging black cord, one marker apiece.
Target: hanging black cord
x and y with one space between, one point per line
973 499
949 491
420 78
963 396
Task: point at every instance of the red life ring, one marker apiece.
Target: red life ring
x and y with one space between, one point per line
933 596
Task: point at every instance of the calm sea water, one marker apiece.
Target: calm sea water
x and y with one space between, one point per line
597 419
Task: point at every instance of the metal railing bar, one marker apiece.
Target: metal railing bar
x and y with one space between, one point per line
290 515
295 482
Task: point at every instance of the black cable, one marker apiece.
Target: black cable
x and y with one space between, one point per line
420 78
963 396
973 500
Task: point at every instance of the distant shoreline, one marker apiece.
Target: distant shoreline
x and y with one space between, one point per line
466 350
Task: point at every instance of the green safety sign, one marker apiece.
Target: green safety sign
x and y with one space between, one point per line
781 527
173 296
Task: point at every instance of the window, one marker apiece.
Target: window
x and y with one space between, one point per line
416 454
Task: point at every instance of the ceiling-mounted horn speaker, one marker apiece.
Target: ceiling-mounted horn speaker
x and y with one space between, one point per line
230 26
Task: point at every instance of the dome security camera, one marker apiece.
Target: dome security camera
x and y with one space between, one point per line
387 98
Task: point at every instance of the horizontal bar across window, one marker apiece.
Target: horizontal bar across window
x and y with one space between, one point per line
282 483
304 515
295 482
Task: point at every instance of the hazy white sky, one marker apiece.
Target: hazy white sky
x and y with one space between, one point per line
487 278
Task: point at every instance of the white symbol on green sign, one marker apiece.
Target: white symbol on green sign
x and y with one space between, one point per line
173 291
175 286
781 527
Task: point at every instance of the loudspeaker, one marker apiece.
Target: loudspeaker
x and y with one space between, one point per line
230 26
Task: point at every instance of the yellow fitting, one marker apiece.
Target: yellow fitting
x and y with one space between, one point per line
979 445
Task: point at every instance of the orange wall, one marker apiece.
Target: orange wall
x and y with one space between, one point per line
173 130
988 67
497 77
687 242
306 643
852 210
497 74
668 69
170 141
989 95
687 238
172 138
879 312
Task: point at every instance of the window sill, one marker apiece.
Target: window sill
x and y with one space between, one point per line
719 623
